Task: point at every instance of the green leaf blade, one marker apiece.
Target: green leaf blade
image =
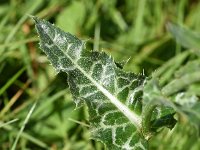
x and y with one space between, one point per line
113 97
184 36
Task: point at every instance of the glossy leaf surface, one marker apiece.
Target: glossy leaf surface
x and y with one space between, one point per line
113 97
121 116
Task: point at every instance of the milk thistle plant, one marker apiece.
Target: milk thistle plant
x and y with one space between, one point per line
125 109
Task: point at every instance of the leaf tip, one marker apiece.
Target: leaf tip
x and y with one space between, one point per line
34 18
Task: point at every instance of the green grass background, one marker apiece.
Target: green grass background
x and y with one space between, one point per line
133 30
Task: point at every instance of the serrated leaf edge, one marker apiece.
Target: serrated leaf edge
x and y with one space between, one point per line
133 117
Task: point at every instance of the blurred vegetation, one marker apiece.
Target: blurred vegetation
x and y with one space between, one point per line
159 37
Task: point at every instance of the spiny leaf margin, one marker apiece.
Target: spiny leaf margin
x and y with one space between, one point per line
113 97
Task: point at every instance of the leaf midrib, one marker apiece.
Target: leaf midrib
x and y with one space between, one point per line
132 117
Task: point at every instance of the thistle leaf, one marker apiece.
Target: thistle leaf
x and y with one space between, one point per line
118 116
113 97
